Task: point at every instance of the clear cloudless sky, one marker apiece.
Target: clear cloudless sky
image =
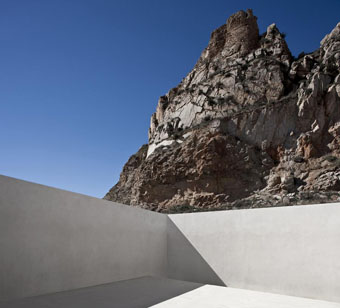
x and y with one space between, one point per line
79 79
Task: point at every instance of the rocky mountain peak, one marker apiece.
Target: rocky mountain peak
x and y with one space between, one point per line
249 126
226 78
236 38
331 37
275 44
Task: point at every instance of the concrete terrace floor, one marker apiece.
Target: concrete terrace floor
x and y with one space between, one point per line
164 293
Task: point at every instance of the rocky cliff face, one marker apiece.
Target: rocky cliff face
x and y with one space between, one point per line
249 126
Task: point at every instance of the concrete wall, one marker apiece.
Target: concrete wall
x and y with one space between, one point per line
53 240
287 250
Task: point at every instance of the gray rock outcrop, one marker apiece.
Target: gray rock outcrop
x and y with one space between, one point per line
249 126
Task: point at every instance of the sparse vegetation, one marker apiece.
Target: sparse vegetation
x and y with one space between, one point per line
211 101
330 158
185 208
219 85
220 100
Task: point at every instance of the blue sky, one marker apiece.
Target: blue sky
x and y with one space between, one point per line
79 79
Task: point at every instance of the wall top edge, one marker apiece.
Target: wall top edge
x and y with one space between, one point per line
264 209
51 188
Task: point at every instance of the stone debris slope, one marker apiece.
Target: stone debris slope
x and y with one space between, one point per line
249 126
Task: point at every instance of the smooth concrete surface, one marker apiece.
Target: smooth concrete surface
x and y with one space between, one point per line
164 293
53 240
135 293
209 296
287 250
185 261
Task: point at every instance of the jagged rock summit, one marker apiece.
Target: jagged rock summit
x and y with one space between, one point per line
249 126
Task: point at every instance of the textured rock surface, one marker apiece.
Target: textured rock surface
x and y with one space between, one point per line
249 126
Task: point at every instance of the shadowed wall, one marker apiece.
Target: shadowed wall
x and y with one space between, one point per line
53 240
